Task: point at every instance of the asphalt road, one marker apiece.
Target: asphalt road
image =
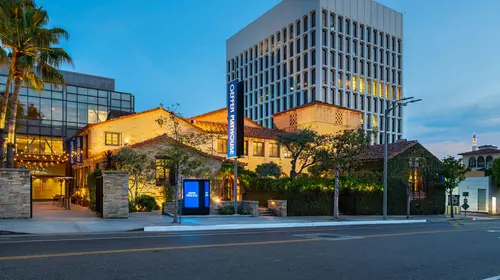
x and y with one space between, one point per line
469 250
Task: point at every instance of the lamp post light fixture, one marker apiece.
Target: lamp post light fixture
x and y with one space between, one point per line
394 104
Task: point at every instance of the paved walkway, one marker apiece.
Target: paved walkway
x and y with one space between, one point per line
50 219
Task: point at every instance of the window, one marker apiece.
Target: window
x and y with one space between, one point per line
112 139
305 42
245 148
480 162
221 146
305 23
489 161
313 19
274 150
162 173
258 148
472 162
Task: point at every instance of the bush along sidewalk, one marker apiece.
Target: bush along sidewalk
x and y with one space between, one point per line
312 196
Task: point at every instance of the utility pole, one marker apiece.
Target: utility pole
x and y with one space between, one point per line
398 103
235 185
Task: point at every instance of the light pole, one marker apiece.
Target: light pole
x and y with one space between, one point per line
397 103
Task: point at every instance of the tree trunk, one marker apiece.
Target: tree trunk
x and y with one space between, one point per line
451 204
293 173
136 190
336 195
12 120
176 190
3 115
3 111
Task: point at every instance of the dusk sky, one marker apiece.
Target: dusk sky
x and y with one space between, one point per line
174 52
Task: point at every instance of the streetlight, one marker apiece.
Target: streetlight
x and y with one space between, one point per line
397 103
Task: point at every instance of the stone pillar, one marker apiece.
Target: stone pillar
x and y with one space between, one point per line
279 207
15 193
115 194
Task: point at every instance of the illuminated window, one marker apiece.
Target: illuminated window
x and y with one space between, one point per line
112 139
374 87
339 80
362 85
258 148
387 91
245 148
163 175
348 81
399 94
274 150
354 82
381 89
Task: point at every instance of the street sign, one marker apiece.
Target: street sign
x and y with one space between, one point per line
465 193
465 206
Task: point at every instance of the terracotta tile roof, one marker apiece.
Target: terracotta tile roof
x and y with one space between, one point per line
128 116
217 111
376 152
316 103
166 138
254 132
481 152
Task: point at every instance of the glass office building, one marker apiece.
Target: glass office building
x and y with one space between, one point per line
50 117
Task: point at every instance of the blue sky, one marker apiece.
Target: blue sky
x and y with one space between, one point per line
174 52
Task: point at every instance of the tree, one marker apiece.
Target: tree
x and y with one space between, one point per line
268 169
302 146
337 153
453 172
33 58
495 171
182 156
140 169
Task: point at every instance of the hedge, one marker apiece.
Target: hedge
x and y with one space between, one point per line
309 196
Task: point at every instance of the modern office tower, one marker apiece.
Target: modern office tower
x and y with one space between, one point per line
347 53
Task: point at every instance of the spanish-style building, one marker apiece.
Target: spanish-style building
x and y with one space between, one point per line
483 195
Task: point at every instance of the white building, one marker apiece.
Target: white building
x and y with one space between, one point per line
343 52
484 196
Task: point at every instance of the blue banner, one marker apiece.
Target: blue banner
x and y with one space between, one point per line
72 150
79 149
235 119
232 103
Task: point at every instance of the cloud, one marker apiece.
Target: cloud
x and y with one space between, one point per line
418 129
447 148
489 121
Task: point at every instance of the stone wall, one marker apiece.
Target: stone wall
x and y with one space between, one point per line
15 194
279 207
252 206
115 194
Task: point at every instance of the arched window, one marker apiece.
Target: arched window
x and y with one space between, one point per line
472 162
489 161
480 162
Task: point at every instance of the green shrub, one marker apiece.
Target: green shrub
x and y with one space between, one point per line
244 210
131 207
147 203
226 210
91 184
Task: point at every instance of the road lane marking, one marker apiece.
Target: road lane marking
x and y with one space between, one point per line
422 232
493 278
169 235
75 254
493 230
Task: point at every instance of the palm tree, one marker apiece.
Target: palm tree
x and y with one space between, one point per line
33 58
5 61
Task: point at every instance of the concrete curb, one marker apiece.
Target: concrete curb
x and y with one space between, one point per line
278 225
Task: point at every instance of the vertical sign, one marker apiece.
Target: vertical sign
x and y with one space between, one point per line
72 150
78 149
235 126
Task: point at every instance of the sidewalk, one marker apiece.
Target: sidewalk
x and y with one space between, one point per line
153 221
